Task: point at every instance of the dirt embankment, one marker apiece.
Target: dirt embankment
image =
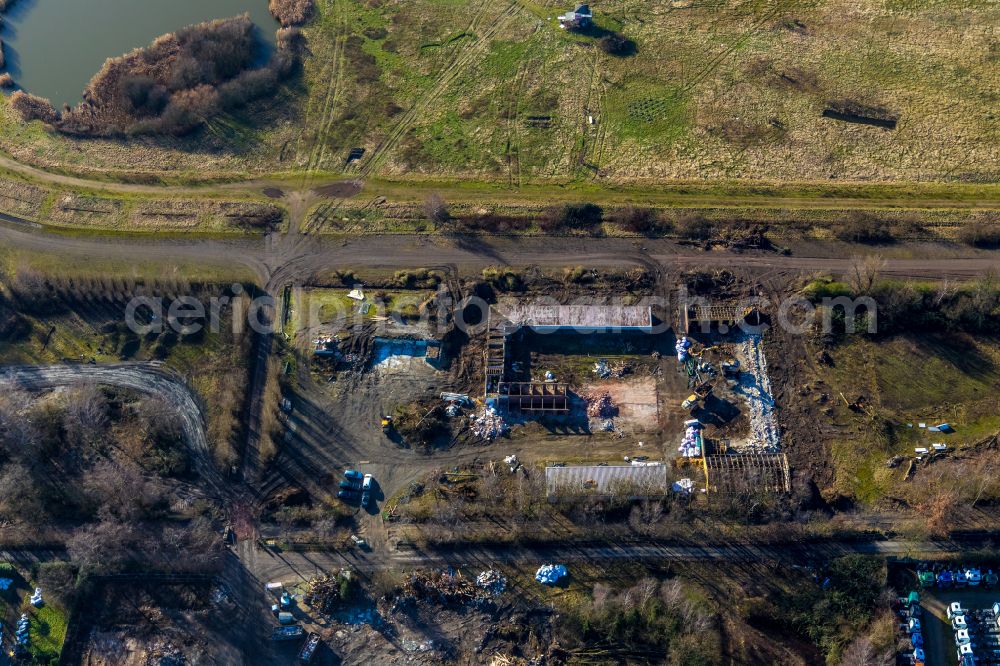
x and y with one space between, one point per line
179 82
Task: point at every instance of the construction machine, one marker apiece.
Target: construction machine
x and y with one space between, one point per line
701 392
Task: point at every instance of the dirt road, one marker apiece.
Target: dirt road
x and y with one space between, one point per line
282 260
290 566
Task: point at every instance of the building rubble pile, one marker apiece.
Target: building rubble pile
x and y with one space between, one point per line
488 424
755 385
606 370
601 407
492 581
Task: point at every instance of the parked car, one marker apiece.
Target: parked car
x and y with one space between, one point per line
354 474
348 495
347 484
366 488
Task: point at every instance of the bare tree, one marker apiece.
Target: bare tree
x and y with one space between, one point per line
672 593
864 272
86 415
645 590
946 289
435 208
860 652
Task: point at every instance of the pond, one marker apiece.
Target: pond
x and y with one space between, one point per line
54 47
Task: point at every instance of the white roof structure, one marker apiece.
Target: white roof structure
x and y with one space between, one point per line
579 317
626 481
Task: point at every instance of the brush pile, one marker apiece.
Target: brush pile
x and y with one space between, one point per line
323 594
601 406
450 588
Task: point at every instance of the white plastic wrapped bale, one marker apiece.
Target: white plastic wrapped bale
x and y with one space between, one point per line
691 443
549 574
683 486
682 347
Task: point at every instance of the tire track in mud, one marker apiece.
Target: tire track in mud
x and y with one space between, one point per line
448 76
317 150
514 122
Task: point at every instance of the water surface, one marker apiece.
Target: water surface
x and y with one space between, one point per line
54 47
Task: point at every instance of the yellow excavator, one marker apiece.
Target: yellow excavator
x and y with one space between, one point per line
701 392
386 424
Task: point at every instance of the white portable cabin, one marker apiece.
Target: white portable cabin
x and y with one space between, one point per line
958 623
966 656
962 637
955 609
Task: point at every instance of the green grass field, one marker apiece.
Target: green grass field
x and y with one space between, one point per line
926 379
47 629
498 92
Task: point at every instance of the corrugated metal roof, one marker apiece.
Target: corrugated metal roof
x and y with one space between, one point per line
578 316
624 480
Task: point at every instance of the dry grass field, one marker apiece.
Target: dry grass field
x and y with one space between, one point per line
497 91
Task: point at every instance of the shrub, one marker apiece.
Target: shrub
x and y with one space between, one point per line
694 226
862 227
980 234
145 96
291 12
32 107
418 278
375 33
577 275
503 279
495 223
6 80
436 209
248 86
572 216
187 109
618 45
645 221
822 288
